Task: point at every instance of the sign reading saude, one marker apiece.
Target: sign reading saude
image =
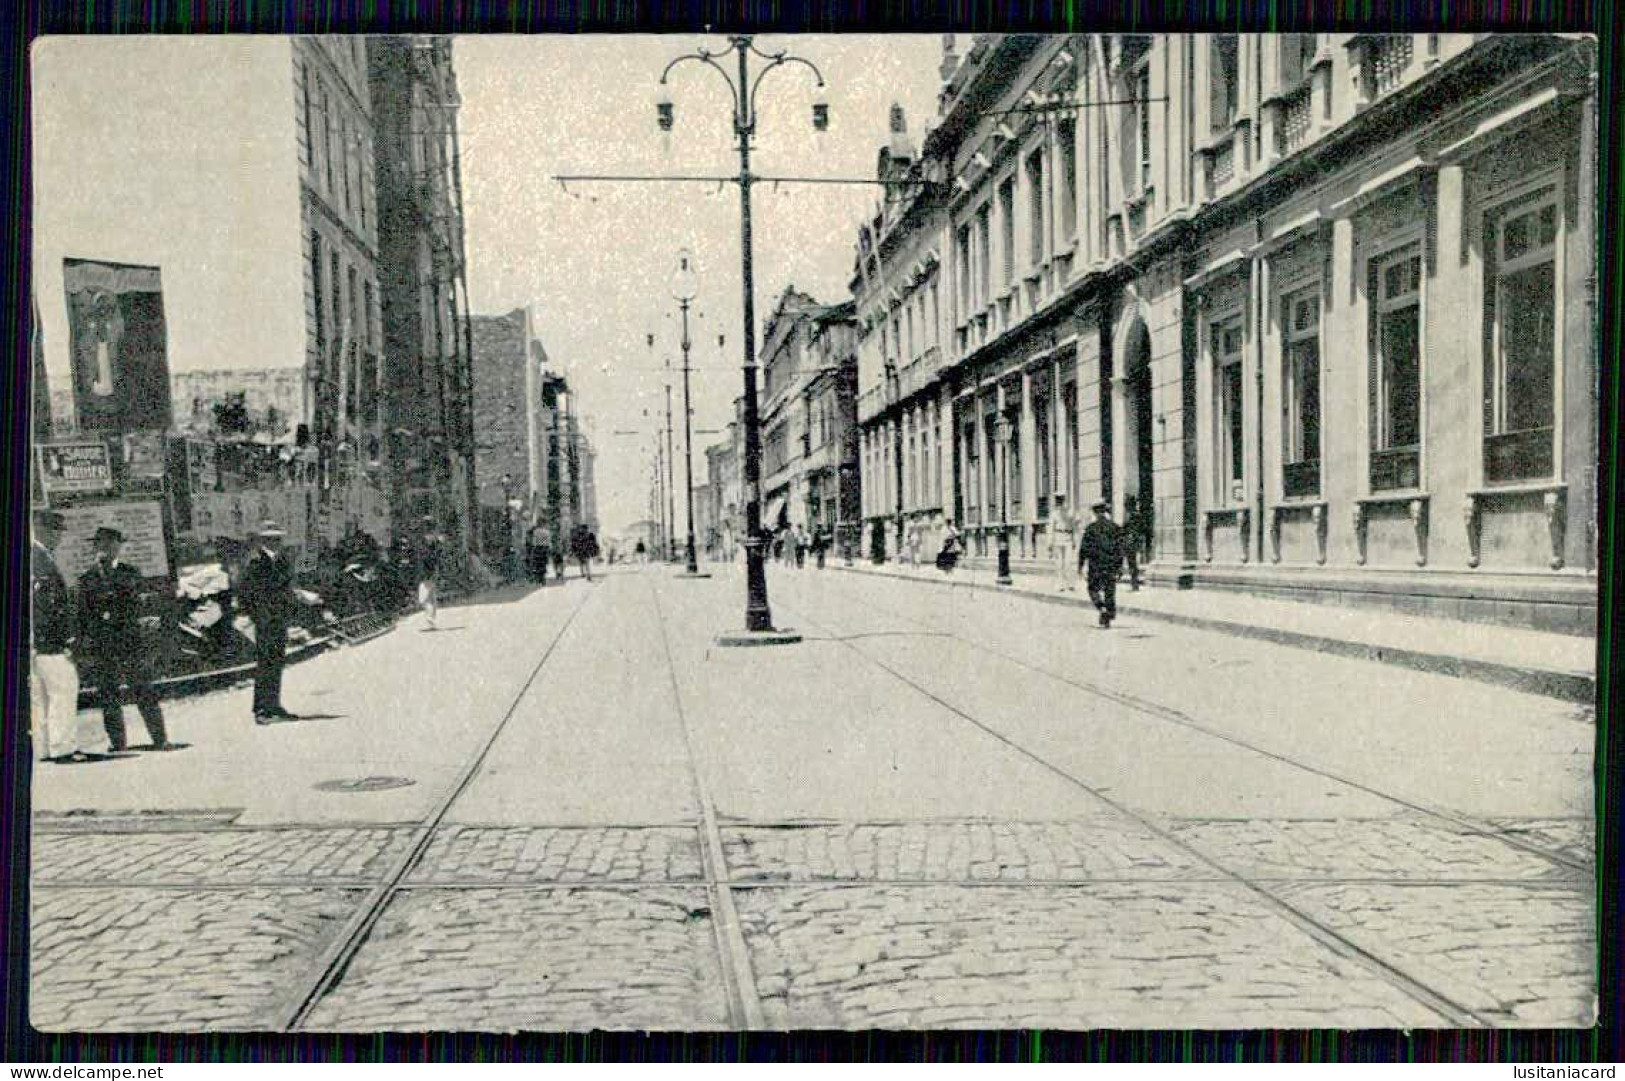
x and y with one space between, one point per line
75 467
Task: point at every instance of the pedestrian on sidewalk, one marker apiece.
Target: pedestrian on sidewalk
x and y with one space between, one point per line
112 641
429 556
1063 545
948 554
267 596
53 693
1102 553
820 544
801 547
584 546
1136 538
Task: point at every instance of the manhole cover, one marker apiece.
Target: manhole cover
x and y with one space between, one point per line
363 784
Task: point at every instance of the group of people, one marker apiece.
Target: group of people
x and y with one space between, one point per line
791 545
1099 555
540 553
99 632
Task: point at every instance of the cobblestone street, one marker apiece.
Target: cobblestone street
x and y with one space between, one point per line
919 817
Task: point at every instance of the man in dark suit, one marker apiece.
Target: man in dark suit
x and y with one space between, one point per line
112 645
1101 552
266 594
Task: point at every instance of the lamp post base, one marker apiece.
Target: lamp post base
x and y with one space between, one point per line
1003 577
785 637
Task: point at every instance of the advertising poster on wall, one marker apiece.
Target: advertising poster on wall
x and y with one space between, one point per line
141 522
119 346
75 467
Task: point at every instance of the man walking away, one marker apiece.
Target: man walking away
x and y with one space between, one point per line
429 579
584 546
267 596
1063 545
1102 552
112 642
819 545
53 696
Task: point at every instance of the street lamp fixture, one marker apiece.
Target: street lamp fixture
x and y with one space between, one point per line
1005 432
743 89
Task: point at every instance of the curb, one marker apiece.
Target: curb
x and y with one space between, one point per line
197 683
1566 686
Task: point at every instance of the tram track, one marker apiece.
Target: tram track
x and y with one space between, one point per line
1180 718
1452 1011
291 1013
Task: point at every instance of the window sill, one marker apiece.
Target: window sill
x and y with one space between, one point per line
1218 139
1404 495
1138 201
1519 487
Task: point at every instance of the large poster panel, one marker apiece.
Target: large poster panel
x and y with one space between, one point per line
142 524
118 345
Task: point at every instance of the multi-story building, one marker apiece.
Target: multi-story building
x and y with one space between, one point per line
428 377
1322 304
724 481
509 365
809 372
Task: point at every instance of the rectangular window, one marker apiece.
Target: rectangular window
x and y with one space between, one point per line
327 143
1069 405
1142 127
352 350
369 382
963 268
1230 413
1395 284
1041 440
1297 54
1037 224
972 466
1007 230
317 306
1066 194
310 131
344 159
1520 368
1225 85
990 436
984 253
1300 397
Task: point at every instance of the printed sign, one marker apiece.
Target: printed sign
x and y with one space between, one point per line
201 465
119 346
142 524
75 467
144 454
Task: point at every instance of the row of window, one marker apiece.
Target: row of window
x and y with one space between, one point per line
338 148
1520 378
346 334
922 449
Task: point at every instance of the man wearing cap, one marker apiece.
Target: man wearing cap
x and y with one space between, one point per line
1102 552
54 686
112 647
267 597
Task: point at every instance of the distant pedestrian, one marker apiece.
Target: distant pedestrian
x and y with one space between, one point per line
820 545
1102 553
53 697
429 557
948 553
584 547
641 552
112 644
1136 538
916 540
1063 545
267 596
801 547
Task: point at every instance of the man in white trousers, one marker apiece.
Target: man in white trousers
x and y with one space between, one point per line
1064 545
53 679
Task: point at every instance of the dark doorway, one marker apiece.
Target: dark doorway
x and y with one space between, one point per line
1140 416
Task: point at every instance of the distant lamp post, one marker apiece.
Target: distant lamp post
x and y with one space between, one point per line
758 615
683 289
1005 431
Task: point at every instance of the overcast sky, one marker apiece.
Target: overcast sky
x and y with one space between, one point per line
179 152
595 263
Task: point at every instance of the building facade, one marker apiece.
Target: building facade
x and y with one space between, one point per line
508 419
724 480
1322 305
428 376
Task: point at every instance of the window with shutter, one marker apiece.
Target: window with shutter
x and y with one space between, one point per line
1300 399
1520 369
1395 285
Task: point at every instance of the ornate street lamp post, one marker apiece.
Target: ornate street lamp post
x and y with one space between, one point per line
758 616
1006 432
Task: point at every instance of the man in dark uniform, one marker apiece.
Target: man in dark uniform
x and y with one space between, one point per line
112 645
1101 552
267 597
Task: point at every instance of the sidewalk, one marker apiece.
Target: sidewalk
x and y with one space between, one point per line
1555 665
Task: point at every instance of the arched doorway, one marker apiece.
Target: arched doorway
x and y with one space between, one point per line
1138 439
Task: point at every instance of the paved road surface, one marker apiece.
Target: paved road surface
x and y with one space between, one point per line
944 808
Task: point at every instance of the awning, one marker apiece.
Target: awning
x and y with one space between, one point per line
771 512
